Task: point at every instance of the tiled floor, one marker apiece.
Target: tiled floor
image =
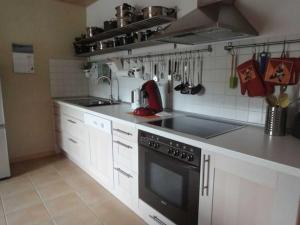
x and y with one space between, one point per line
54 191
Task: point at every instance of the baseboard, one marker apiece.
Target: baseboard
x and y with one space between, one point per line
33 156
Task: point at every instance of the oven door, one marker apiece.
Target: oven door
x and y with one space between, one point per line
169 186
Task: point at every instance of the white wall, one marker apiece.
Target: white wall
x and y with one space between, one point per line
218 100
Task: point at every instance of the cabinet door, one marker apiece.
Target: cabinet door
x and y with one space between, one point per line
243 194
101 157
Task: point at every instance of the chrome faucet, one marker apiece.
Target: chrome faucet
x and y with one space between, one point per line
110 80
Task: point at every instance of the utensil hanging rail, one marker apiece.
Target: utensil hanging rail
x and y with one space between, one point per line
230 46
207 49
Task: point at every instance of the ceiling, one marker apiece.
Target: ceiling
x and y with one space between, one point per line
79 2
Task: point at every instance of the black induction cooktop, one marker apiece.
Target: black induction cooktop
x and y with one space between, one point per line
198 126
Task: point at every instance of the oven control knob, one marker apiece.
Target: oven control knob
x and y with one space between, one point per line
176 153
150 143
190 158
183 155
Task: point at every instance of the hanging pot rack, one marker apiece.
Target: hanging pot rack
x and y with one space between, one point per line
231 47
171 53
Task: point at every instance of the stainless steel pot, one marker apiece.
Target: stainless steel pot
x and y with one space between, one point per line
153 11
124 21
101 45
91 31
125 10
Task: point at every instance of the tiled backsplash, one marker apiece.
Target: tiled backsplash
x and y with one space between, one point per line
67 79
218 100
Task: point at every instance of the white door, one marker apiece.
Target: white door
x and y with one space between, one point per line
4 161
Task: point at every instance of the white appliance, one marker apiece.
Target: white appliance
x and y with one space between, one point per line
4 161
135 98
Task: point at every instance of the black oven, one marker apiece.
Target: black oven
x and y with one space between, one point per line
169 175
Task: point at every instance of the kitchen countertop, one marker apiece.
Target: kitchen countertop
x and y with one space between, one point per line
248 143
119 111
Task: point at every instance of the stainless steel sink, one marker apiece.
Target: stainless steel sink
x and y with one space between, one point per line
91 101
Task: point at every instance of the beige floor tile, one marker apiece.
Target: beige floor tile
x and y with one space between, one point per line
64 204
63 163
41 179
2 217
105 208
93 193
15 185
21 200
113 212
81 180
43 170
78 216
34 215
68 172
54 190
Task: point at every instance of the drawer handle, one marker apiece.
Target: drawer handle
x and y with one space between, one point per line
157 220
123 172
72 140
123 132
72 121
124 145
205 187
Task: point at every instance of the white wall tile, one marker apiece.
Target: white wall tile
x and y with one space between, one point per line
67 79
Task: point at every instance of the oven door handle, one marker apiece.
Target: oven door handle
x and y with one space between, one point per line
157 220
205 187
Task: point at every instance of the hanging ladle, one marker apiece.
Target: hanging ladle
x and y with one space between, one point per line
198 88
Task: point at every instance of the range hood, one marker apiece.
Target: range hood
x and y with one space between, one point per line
212 21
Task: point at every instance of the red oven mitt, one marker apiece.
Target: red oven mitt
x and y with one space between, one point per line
251 82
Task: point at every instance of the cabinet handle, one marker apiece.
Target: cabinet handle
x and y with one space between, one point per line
70 139
124 145
205 187
71 121
123 132
122 172
157 220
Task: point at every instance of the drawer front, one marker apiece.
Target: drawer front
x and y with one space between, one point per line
125 153
126 185
125 131
98 123
69 111
74 127
75 148
151 216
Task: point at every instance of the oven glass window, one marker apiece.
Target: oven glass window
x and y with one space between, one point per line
166 184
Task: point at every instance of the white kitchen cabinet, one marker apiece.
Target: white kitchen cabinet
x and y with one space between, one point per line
235 192
126 186
125 153
100 147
